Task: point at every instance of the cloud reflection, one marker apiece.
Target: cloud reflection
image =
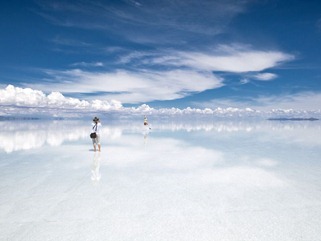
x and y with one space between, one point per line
191 163
18 135
26 135
176 178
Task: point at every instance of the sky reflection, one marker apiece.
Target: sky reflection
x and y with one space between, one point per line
219 178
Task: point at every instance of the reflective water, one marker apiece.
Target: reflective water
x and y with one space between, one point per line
177 181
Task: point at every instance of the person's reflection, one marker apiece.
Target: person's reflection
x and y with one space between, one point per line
95 168
145 134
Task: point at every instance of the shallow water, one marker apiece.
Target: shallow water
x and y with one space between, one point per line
177 181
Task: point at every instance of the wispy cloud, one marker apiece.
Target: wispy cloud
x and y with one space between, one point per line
234 58
132 87
162 72
146 21
265 76
236 61
144 76
301 101
244 81
86 64
259 76
59 40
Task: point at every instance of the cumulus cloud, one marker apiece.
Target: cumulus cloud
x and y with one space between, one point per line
22 97
302 104
35 98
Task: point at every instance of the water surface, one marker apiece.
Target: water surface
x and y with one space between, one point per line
178 181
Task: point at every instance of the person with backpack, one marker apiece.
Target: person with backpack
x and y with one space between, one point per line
95 133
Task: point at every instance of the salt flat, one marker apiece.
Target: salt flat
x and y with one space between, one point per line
177 181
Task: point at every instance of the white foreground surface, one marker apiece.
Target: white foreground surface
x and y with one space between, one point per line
235 181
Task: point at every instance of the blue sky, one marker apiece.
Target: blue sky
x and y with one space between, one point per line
165 53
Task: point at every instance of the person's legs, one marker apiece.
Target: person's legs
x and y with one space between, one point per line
98 142
94 143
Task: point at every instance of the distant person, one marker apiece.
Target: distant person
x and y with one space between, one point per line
145 121
96 126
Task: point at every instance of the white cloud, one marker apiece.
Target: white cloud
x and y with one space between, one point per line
22 97
258 76
265 76
244 81
234 58
56 104
231 59
165 75
133 87
35 98
85 64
